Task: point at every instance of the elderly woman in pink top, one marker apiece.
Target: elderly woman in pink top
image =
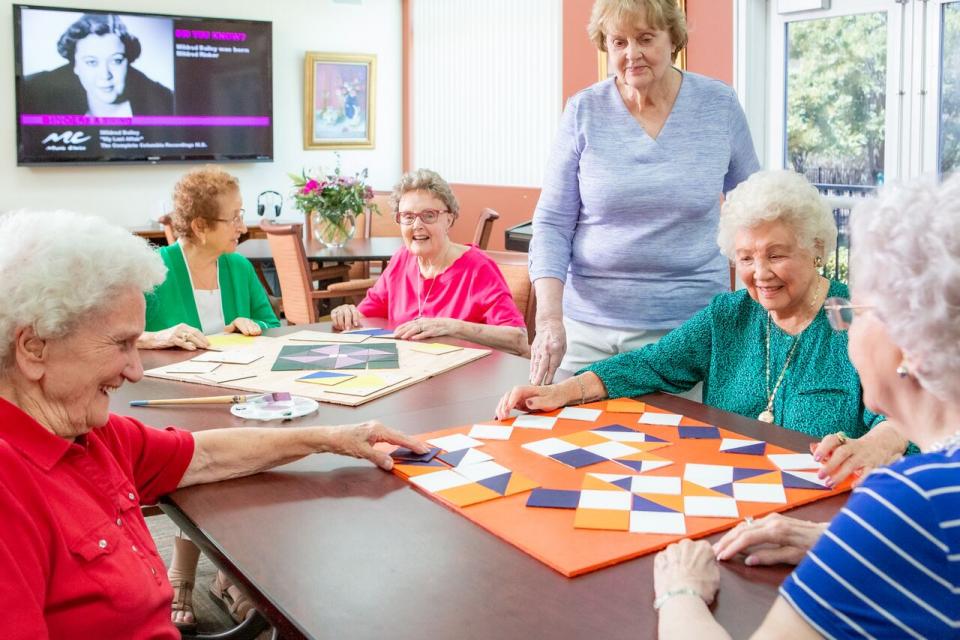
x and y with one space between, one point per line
434 287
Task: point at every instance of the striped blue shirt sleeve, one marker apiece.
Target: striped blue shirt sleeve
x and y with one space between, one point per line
889 565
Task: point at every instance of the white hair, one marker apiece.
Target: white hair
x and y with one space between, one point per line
55 268
783 196
905 257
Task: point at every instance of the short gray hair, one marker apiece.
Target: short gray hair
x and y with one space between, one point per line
55 268
783 196
905 256
425 180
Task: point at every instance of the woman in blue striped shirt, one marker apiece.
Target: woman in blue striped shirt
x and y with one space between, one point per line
888 565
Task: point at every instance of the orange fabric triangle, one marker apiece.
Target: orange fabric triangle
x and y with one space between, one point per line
411 470
584 438
590 482
773 477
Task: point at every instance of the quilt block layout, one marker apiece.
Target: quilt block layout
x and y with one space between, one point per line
311 357
614 442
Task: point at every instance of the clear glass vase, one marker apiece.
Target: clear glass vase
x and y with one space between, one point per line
333 229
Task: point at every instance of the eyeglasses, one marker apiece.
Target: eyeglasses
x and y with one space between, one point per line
236 221
840 312
427 216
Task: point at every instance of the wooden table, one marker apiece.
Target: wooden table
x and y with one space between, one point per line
329 547
356 250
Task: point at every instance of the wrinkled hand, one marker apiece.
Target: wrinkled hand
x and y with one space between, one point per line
357 440
246 326
858 456
687 564
346 317
423 328
180 335
772 539
547 350
530 398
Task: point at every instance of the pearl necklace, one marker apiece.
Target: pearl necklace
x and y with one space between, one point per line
950 442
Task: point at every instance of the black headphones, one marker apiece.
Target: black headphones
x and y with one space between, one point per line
262 207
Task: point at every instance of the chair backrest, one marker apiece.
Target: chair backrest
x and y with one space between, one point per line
167 223
513 266
383 225
290 259
481 236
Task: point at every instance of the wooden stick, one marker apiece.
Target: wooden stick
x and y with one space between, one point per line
204 400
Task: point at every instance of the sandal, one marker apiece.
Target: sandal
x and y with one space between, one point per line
183 603
229 597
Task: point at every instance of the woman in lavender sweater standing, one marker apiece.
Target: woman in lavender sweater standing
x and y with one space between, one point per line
623 235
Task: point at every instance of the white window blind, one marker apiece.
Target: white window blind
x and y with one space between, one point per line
486 88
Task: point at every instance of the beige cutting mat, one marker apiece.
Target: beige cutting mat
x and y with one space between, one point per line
415 366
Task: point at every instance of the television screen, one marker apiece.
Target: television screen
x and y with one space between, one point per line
100 87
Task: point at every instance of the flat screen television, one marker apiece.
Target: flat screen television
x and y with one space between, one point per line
108 87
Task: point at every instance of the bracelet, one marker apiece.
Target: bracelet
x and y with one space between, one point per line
583 390
682 591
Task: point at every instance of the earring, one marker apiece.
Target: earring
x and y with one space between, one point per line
818 262
902 370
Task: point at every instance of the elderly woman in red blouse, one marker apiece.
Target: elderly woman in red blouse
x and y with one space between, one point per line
76 558
433 286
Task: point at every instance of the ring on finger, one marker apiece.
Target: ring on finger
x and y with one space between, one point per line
842 437
748 520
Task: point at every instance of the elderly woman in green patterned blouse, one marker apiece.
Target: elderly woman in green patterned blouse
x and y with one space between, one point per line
766 351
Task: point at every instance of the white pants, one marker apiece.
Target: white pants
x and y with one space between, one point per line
590 343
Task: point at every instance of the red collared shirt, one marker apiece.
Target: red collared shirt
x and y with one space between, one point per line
76 557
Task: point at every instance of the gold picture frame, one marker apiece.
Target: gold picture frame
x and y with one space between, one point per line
603 67
339 101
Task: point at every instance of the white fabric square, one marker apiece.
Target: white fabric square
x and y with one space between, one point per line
482 470
791 461
623 436
491 431
576 413
534 422
192 366
708 475
473 456
667 419
748 492
549 446
650 465
611 450
439 481
710 507
669 485
615 500
657 522
736 443
455 442
608 477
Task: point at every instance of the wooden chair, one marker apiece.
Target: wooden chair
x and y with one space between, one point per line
513 266
297 279
167 222
481 235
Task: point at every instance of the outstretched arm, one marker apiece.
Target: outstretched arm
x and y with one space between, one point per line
221 454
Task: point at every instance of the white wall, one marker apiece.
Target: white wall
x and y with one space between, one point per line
131 195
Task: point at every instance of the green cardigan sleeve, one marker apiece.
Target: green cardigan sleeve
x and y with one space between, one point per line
242 294
675 363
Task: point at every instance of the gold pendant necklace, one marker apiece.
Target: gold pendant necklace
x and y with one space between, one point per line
767 414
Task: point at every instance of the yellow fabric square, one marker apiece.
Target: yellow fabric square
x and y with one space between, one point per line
520 483
606 519
468 494
584 438
625 405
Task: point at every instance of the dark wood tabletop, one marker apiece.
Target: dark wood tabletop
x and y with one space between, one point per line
330 547
358 249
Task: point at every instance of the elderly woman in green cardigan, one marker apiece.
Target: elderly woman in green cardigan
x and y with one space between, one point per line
766 351
209 288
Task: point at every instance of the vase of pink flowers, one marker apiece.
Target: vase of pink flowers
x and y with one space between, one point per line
331 204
